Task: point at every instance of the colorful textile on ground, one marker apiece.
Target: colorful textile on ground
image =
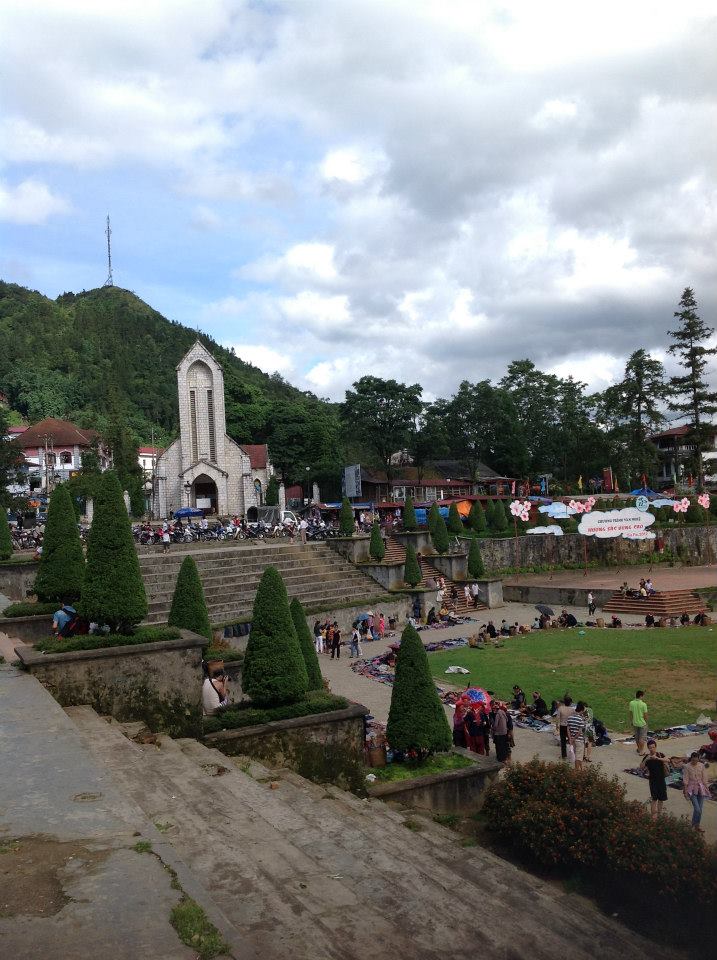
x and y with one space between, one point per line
454 622
673 779
685 730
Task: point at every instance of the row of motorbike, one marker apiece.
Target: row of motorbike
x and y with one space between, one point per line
218 532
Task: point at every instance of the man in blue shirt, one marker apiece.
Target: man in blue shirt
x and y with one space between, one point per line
61 618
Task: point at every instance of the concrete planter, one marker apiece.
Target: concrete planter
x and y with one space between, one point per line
18 579
27 629
453 566
159 683
490 591
460 791
388 574
325 747
354 549
421 540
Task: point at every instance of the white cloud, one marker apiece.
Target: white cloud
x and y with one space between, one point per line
312 261
205 219
267 359
30 202
598 370
555 112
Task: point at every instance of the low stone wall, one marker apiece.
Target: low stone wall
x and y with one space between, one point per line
354 549
421 540
453 566
491 592
325 747
17 579
460 791
554 596
159 683
27 629
388 574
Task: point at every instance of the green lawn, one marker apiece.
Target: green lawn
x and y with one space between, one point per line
676 668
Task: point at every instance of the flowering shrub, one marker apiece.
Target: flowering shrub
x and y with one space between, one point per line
556 815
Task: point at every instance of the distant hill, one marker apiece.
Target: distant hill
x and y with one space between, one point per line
85 354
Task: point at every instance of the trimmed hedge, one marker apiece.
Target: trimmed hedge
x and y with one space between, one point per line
476 518
439 536
274 669
499 522
113 591
30 609
346 518
476 567
455 524
409 515
189 609
416 720
97 642
236 717
376 547
306 642
412 568
433 514
228 655
62 562
489 513
5 536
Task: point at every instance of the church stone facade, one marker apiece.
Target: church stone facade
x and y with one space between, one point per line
204 467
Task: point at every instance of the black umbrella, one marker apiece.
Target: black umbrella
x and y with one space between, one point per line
545 610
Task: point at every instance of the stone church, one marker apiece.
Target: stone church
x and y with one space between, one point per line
204 467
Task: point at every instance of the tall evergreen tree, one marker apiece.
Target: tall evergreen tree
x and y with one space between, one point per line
476 518
376 547
476 569
489 513
346 518
440 536
306 642
62 562
189 608
455 524
10 460
433 515
409 515
416 719
5 536
274 671
412 569
112 591
500 520
271 497
693 400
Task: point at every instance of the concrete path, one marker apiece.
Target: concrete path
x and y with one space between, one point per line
663 576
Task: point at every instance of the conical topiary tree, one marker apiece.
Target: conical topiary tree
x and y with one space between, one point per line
112 591
489 513
412 568
346 519
5 536
274 671
189 608
439 536
455 524
409 516
62 562
476 518
376 547
500 521
476 569
433 514
306 642
416 719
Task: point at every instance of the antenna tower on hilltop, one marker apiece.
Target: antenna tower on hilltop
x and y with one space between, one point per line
109 282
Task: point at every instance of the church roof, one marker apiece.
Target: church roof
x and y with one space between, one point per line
60 432
258 454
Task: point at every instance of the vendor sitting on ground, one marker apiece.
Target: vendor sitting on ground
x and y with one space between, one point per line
65 620
214 691
709 750
567 619
518 701
431 618
539 707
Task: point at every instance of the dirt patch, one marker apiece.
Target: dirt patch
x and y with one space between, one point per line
582 660
33 872
681 679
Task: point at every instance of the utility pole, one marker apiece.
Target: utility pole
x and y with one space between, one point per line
109 282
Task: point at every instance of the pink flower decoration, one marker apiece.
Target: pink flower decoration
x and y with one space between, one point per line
682 506
521 509
704 500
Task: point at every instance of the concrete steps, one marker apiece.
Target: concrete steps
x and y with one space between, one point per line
395 551
307 872
664 603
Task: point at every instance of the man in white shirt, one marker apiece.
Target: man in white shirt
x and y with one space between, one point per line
303 527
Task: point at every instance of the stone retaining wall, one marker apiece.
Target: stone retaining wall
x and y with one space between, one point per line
17 579
554 596
159 683
27 629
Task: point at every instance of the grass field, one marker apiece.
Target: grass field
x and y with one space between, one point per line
677 669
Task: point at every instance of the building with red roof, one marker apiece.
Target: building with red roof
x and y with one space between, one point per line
53 449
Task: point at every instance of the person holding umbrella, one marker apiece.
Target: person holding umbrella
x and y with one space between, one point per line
546 613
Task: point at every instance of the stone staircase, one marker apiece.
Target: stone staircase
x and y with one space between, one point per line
395 551
230 575
308 872
664 603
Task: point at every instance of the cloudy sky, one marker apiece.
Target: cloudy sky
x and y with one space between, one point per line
416 189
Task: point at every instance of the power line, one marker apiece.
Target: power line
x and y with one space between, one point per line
109 282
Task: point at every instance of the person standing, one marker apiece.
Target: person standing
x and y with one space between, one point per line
591 603
354 646
576 733
638 718
501 734
564 711
694 787
475 594
335 641
459 733
318 639
303 527
657 767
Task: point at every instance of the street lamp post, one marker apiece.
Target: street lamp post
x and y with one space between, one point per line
308 486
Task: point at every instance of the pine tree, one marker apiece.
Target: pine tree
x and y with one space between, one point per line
433 514
274 671
62 562
500 521
306 642
376 548
476 518
189 608
489 513
112 591
409 516
271 497
412 568
5 536
440 536
694 401
455 524
416 719
476 569
346 519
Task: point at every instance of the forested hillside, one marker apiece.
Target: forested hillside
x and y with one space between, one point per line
92 355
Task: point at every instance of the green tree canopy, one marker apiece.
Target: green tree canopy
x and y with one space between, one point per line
409 515
439 536
476 569
189 608
455 524
376 548
271 497
274 671
5 536
476 518
499 520
10 460
62 562
412 569
433 515
346 518
416 719
306 642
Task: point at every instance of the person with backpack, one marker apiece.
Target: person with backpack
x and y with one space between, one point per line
65 620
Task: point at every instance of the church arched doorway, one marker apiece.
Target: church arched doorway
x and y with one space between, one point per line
204 494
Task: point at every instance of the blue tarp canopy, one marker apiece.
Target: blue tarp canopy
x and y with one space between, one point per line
188 512
644 492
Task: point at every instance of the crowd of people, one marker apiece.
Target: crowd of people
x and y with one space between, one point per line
476 723
370 626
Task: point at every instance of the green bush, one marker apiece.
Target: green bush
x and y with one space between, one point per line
409 516
274 669
433 515
306 642
455 524
5 536
416 719
476 569
346 519
412 569
439 536
112 591
489 514
62 562
238 716
696 513
557 816
30 609
98 641
189 609
376 547
271 497
476 518
500 520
